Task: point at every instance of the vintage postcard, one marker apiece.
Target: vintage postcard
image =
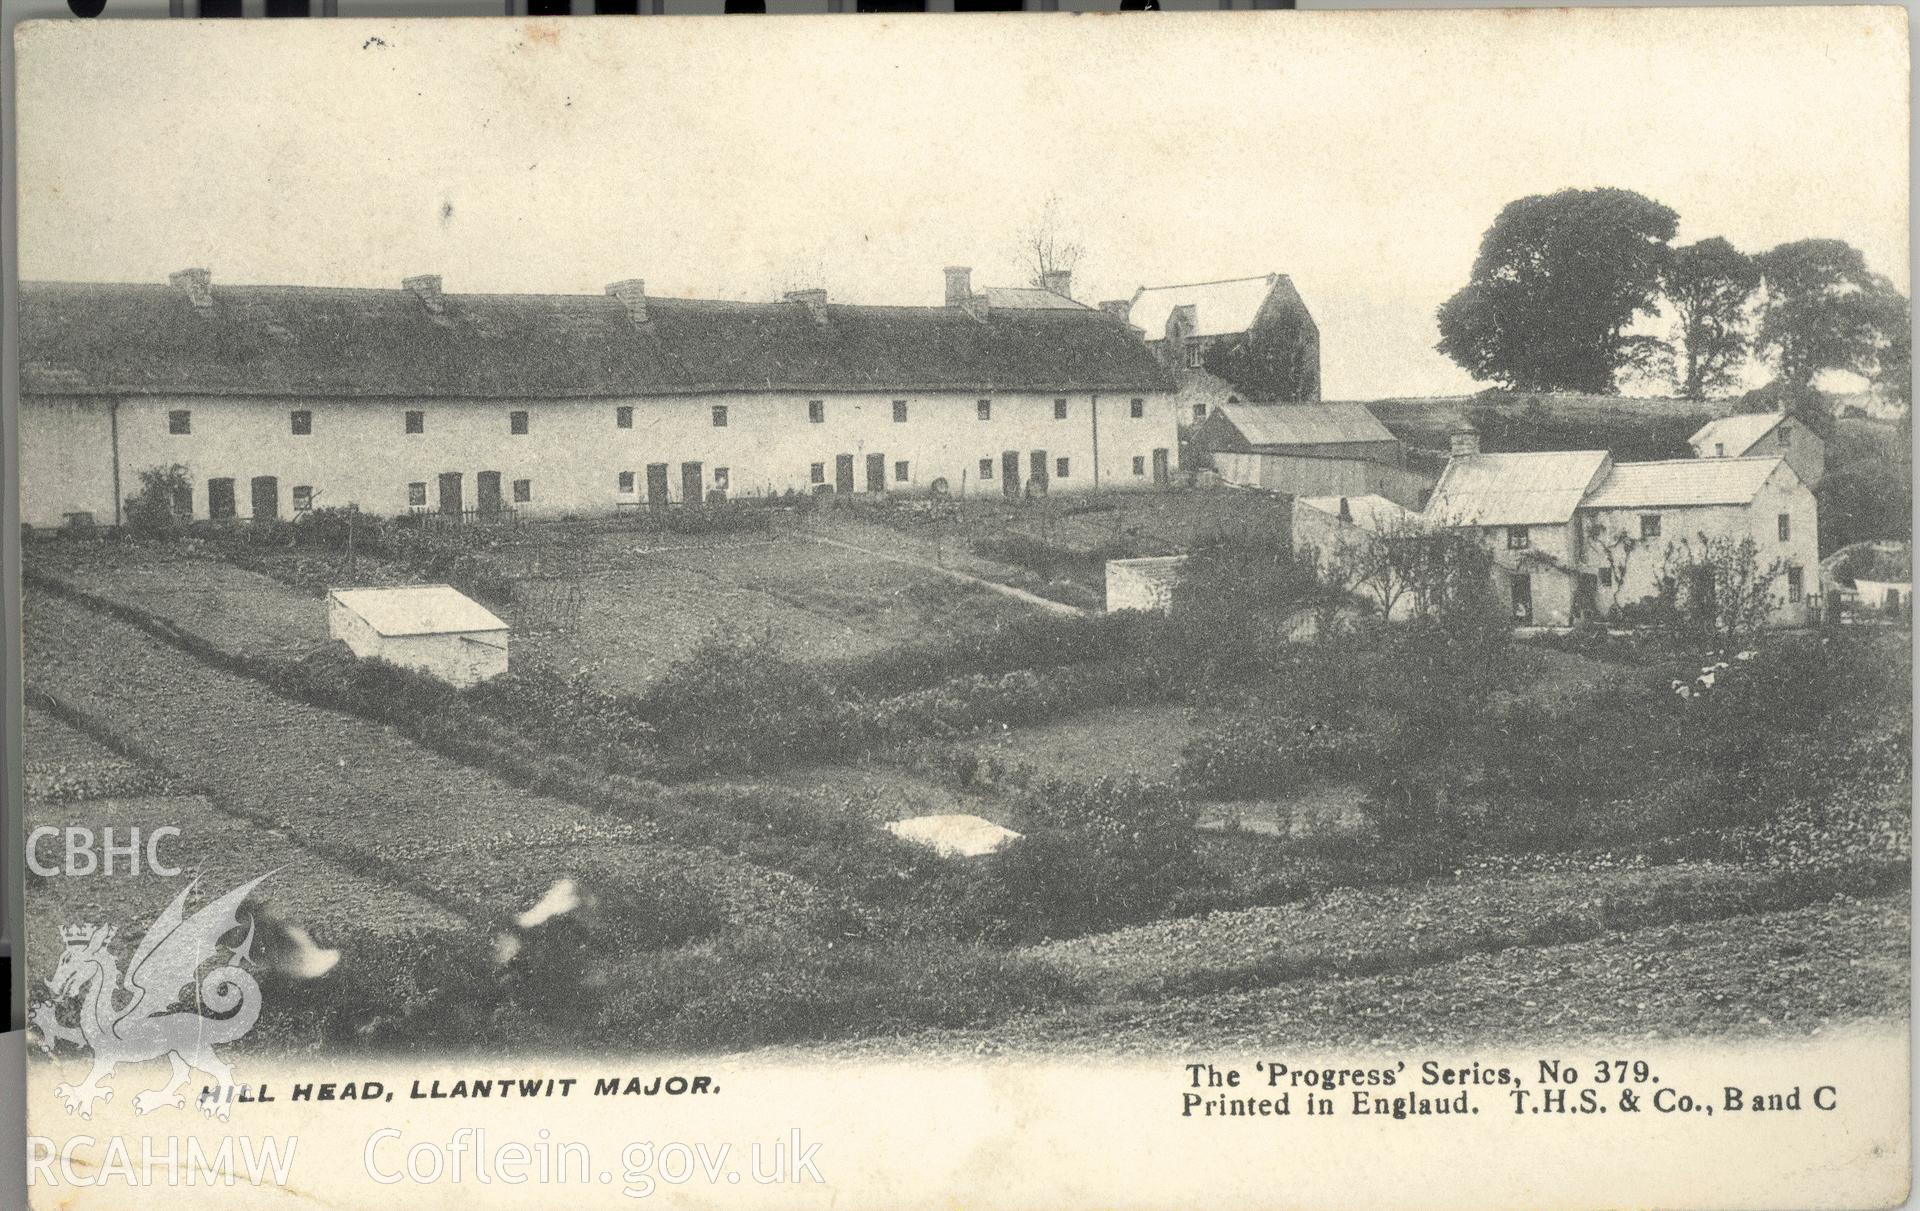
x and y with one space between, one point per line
1028 611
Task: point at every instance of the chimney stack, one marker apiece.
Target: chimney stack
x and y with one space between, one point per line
1058 281
959 285
816 301
633 294
198 285
426 288
1463 442
1119 309
1346 510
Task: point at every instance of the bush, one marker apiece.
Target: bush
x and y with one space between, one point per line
154 511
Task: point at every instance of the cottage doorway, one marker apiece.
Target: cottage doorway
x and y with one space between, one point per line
693 482
843 474
486 490
1161 472
1523 599
220 505
1037 472
876 473
1586 596
266 498
1010 473
451 503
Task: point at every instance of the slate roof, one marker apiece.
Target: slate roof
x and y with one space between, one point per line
420 609
82 338
1304 424
1219 308
1030 298
1736 433
1368 512
1681 482
1514 489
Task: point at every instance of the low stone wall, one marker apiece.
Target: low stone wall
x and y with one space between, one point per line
1142 584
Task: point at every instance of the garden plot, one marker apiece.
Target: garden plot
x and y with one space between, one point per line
354 791
231 608
821 604
1820 967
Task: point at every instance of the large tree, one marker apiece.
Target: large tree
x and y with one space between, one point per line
1826 310
1707 285
1559 280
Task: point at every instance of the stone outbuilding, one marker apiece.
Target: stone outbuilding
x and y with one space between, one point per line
430 628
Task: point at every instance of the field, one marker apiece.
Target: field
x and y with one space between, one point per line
1213 851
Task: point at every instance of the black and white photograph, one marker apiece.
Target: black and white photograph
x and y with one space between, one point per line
1017 610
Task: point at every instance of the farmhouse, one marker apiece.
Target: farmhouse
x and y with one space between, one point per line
1574 534
1256 333
1764 435
1309 450
432 628
1352 529
279 399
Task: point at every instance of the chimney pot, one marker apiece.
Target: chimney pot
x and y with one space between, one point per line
959 285
198 284
426 288
1058 281
815 300
633 293
1346 510
1463 442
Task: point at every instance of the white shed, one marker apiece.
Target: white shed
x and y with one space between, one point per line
431 628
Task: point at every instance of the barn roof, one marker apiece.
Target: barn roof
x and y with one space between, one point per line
1736 433
87 338
1514 489
1681 482
419 609
1305 424
1219 308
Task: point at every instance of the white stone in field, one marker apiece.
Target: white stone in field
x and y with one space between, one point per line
562 898
953 836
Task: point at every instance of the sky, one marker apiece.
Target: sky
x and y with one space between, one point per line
1361 153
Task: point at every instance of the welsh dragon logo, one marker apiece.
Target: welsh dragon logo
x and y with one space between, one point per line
134 1019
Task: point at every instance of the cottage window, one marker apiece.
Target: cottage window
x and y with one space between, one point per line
1060 466
1137 409
417 423
1059 409
1606 578
817 473
899 412
626 481
302 422
986 468
517 423
1719 449
719 416
1796 584
302 498
1199 413
417 495
1139 464
180 421
720 478
816 411
1649 525
623 417
1195 354
1519 538
984 409
901 472
1786 436
522 491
